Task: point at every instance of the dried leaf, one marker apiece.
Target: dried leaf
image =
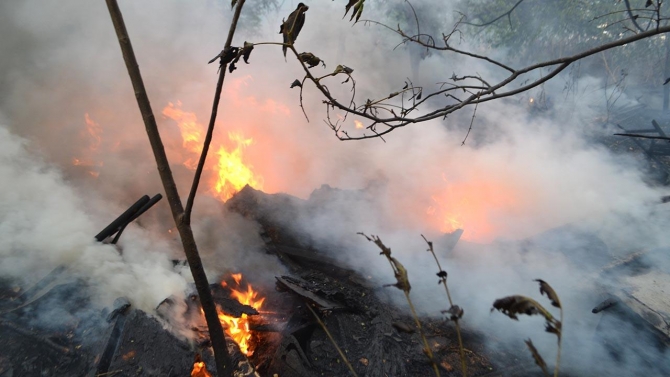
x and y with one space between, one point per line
419 96
246 51
513 305
400 275
666 81
311 60
649 3
232 3
296 83
538 359
363 361
406 85
358 10
546 289
442 275
393 94
455 312
342 68
227 55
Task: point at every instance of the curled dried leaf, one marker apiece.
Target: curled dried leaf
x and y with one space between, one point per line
342 69
538 359
547 290
295 83
311 60
442 275
513 305
400 275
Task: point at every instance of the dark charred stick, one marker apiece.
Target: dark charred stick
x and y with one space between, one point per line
223 363
37 337
125 217
321 302
604 305
645 136
137 214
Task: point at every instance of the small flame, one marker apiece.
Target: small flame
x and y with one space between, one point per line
238 328
358 124
199 368
88 156
233 174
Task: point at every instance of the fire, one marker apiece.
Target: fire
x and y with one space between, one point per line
233 174
192 132
358 124
474 206
91 133
199 368
238 328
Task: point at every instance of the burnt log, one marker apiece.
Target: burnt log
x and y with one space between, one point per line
115 225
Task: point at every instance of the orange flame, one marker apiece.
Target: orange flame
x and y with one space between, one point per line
192 132
199 368
92 134
233 174
474 206
238 328
358 124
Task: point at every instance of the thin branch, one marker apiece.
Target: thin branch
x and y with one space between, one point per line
508 14
223 364
645 136
632 18
212 119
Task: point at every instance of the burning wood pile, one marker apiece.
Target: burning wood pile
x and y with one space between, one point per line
289 329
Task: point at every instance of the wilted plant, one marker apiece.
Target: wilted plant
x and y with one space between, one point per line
513 305
455 312
402 283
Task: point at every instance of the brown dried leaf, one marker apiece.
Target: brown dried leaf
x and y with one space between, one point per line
513 305
363 361
348 6
547 290
311 60
538 359
401 275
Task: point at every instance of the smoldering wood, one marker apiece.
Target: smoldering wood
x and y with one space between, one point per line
155 199
114 226
606 304
322 303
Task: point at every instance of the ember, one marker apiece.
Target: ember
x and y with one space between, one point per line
238 328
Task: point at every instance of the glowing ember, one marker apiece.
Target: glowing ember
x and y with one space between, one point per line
199 368
233 174
474 206
238 328
358 124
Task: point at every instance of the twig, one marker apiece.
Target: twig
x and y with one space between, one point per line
212 119
455 317
325 329
645 136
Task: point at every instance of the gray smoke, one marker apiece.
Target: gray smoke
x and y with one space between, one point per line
520 175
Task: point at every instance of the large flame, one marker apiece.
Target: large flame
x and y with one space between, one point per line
231 172
238 328
475 206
